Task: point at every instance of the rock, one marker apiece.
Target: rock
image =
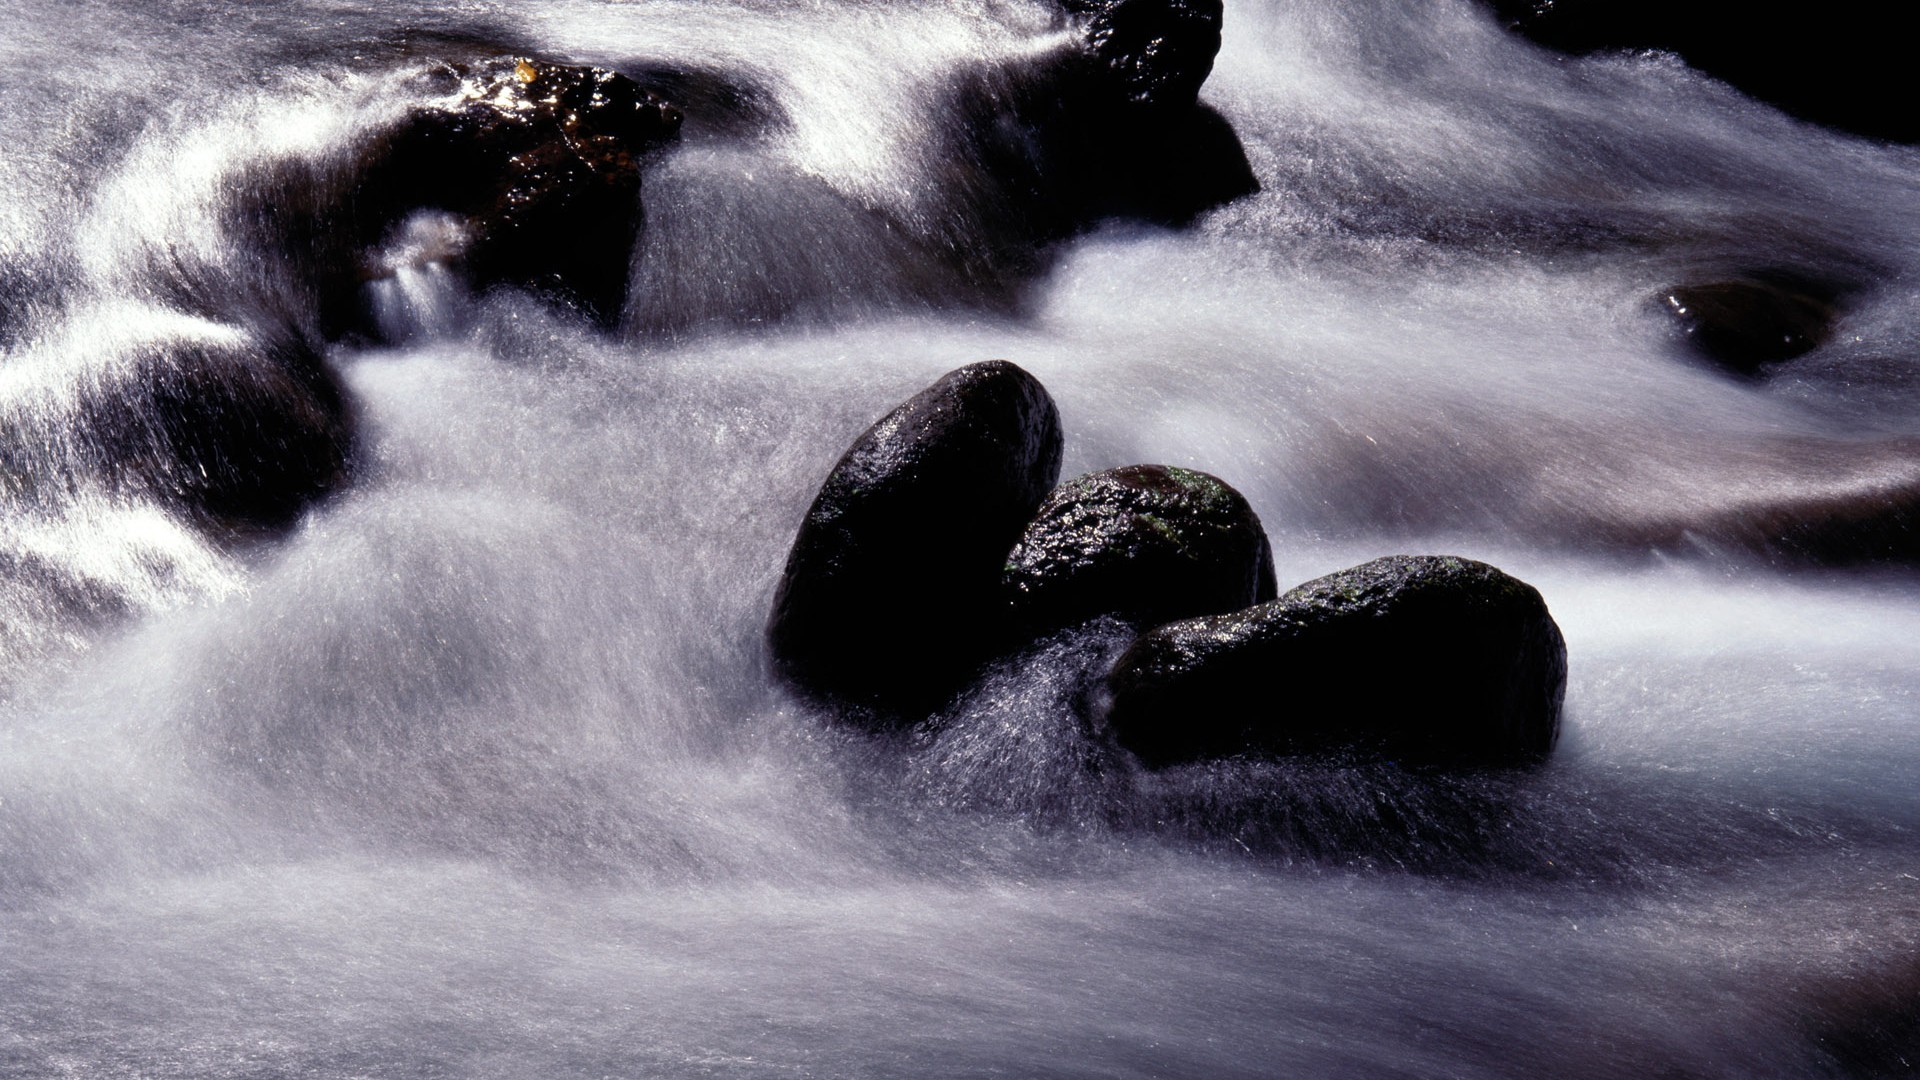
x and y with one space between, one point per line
889 599
543 161
1155 52
241 436
1105 126
1842 66
1744 325
1424 659
1147 543
1172 174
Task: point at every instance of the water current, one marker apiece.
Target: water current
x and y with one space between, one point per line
479 771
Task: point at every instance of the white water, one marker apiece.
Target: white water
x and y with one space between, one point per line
478 773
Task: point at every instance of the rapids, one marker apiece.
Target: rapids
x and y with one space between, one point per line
478 771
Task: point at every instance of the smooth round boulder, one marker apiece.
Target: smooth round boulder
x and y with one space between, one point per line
890 595
1745 325
1418 658
1146 543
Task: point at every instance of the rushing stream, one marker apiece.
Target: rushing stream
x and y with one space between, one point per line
478 770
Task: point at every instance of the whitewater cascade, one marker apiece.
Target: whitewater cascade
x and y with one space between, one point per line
452 748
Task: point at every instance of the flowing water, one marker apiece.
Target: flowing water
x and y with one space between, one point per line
479 772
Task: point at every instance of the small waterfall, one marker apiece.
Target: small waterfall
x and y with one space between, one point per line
417 293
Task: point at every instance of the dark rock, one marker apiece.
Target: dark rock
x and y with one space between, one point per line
1425 659
1863 1022
542 160
1147 543
1179 171
1841 65
243 437
889 599
1155 52
1045 148
1094 163
1745 325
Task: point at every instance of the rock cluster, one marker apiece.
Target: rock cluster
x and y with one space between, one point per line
934 548
509 170
518 171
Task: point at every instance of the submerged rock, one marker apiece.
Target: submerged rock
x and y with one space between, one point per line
890 594
1800 500
1021 740
542 160
243 436
1043 154
1417 658
1744 325
1147 543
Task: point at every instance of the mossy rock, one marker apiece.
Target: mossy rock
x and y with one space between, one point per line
1147 543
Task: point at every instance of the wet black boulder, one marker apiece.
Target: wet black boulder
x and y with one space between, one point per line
1155 53
889 599
1422 659
1744 325
541 162
1147 543
1106 125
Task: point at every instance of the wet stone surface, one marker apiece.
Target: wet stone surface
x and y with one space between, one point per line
1147 543
1425 659
543 162
1746 325
1157 51
889 599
